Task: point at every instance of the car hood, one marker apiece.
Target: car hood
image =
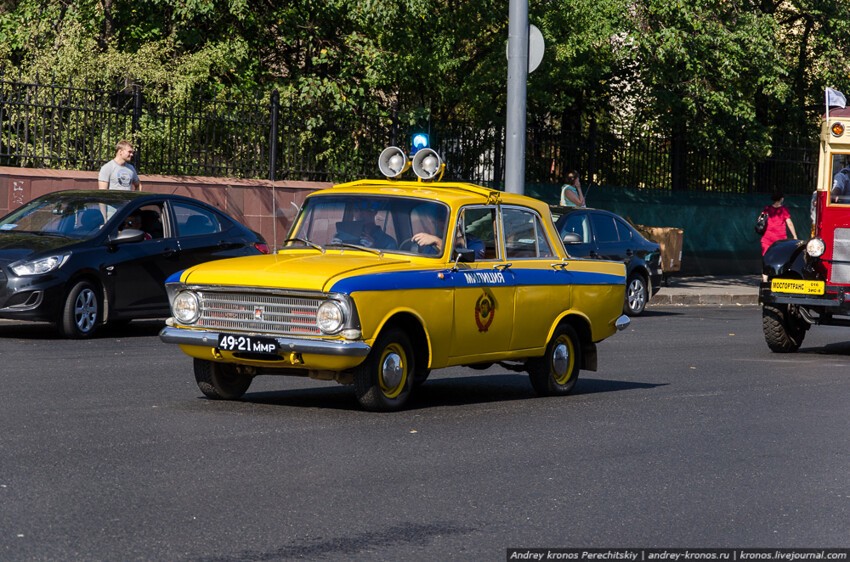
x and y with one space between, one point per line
16 246
297 270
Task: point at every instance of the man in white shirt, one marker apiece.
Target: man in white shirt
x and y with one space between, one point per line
118 173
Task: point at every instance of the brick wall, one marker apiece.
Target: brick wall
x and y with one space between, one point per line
265 206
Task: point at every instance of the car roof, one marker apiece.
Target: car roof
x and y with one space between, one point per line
455 194
119 196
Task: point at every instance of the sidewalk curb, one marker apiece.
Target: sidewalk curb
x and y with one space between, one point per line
711 299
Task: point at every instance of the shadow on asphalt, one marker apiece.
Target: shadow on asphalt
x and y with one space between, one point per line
657 313
45 331
453 391
839 348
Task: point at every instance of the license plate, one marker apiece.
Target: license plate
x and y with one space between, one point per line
248 344
797 286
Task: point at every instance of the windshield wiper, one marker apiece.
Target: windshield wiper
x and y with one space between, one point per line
306 243
375 251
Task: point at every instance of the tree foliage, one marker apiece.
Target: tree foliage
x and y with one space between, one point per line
734 76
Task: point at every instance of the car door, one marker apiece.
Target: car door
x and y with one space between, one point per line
484 289
608 245
135 272
202 234
540 283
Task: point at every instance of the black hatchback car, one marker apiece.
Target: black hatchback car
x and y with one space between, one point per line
84 258
594 233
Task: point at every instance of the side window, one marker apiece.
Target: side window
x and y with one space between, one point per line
623 230
604 229
577 223
524 235
840 188
148 219
476 230
193 221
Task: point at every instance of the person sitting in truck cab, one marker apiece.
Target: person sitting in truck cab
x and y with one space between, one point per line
841 184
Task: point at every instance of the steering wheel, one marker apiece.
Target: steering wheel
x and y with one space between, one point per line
409 245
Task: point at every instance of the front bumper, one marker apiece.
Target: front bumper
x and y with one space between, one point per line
31 298
209 339
836 298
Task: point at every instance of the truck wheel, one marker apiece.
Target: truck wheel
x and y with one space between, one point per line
783 331
637 295
383 382
220 381
82 312
556 373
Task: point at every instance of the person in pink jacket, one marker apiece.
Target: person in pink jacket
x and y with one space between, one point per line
778 223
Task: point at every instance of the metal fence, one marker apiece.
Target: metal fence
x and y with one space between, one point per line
66 126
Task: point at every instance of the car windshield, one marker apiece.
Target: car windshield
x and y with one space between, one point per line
390 224
79 217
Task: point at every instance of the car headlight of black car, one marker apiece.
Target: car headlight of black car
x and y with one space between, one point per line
39 266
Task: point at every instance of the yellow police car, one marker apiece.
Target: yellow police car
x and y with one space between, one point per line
381 281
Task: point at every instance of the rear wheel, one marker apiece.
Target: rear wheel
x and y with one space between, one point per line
637 295
81 312
556 372
383 382
221 381
783 329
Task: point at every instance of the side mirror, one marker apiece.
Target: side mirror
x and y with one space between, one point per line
126 236
572 238
464 255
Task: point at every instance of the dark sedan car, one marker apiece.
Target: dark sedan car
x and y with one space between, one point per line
84 258
594 233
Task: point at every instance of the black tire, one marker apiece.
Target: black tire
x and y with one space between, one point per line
637 295
784 332
82 311
556 373
383 382
220 381
420 377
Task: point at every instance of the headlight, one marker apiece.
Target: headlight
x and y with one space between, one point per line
185 307
330 317
40 266
815 247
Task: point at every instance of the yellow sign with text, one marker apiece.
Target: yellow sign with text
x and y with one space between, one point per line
797 286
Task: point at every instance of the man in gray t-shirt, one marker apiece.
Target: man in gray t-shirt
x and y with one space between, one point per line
118 173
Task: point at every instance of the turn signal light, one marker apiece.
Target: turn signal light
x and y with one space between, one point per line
837 129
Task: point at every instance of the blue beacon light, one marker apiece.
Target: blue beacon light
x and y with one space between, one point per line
420 140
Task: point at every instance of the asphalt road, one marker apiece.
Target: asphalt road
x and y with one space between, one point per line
692 434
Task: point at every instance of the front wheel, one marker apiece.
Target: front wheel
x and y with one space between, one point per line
383 382
556 373
637 295
81 312
783 330
221 381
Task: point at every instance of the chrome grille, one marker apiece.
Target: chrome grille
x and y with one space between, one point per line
841 257
257 312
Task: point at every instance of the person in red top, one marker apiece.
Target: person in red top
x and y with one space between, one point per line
778 220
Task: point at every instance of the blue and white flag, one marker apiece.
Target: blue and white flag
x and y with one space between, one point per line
834 98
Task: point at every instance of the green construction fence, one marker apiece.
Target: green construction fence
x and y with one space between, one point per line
718 227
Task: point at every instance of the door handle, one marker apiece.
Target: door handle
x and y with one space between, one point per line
169 252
